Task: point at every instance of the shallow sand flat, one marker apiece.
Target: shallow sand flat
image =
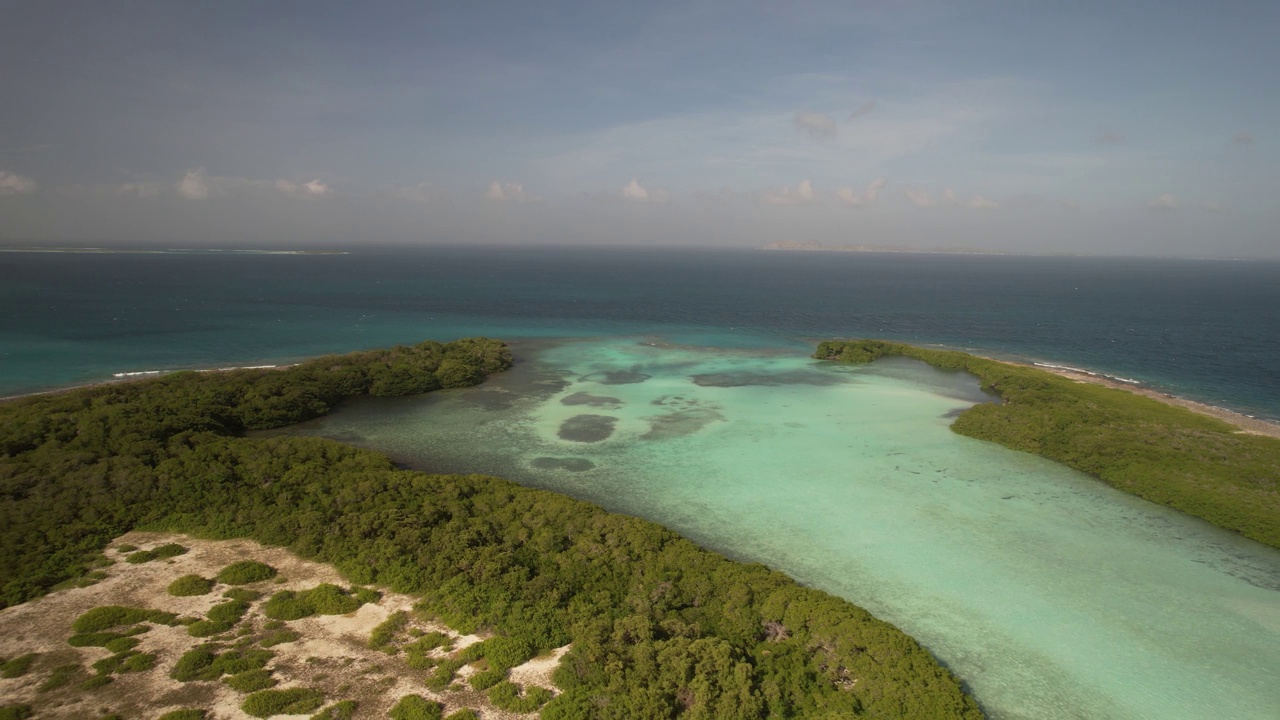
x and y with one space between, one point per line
332 654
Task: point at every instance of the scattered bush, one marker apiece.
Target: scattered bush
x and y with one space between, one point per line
337 711
126 548
245 572
15 712
107 617
228 612
190 585
486 678
416 707
462 714
121 644
293 701
96 682
323 599
242 594
18 666
164 551
506 696
278 637
207 628
386 631
60 676
251 680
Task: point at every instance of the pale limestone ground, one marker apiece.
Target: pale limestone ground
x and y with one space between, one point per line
332 655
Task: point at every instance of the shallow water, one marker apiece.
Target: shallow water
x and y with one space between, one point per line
1050 594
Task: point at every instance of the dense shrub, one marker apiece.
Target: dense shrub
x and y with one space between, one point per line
338 711
163 551
190 585
60 676
251 680
15 712
416 707
386 631
17 667
293 701
506 696
323 599
109 616
245 572
228 612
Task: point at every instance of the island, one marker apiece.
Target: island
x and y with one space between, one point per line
484 589
1204 466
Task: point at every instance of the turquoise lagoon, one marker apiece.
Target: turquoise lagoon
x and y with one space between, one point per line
1050 594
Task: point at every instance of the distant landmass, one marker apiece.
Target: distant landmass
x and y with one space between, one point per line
814 245
167 251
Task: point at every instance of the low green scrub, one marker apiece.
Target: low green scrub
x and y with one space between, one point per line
161 552
323 599
1165 454
507 696
486 679
344 710
384 634
96 682
190 585
244 595
110 616
228 612
60 676
251 680
125 662
121 644
278 637
15 712
245 572
293 701
18 666
416 707
463 714
184 714
204 662
207 628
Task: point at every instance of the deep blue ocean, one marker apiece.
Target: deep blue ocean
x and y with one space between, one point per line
1207 330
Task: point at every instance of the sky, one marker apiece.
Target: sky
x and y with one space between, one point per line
1132 128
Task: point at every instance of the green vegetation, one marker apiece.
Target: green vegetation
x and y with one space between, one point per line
323 599
242 594
60 676
338 711
15 712
190 585
293 701
658 626
463 714
96 682
1159 452
416 707
110 616
251 680
228 612
506 696
245 572
386 631
164 551
184 714
18 666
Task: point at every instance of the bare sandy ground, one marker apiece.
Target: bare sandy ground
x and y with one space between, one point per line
332 654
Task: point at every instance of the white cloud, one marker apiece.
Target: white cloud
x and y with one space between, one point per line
919 198
194 185
801 194
853 198
138 189
312 189
1165 201
512 192
819 126
949 197
636 192
977 202
1242 138
864 109
14 184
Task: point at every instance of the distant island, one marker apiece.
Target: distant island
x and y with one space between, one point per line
165 251
815 246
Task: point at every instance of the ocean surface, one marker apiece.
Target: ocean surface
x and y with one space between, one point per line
1207 330
677 386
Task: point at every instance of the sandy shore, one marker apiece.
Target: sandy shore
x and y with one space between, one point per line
1245 423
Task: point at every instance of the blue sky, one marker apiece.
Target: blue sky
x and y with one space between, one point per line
1122 127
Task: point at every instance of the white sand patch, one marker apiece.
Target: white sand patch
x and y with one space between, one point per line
538 670
332 654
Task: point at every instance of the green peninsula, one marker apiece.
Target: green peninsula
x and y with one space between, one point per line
1168 455
656 626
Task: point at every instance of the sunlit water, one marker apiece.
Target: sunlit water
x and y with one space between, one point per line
1048 593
